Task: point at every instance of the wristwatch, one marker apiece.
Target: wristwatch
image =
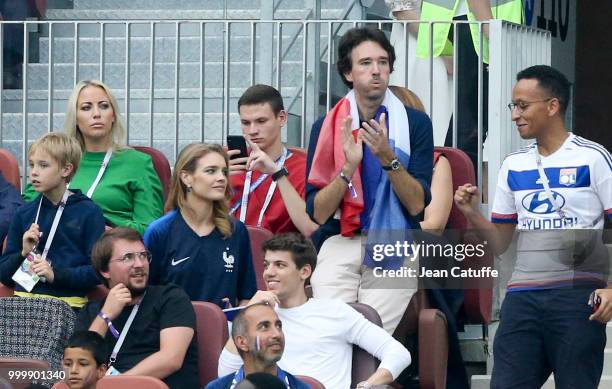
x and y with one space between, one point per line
394 165
281 173
363 385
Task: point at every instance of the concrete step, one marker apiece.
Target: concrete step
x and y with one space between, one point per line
198 4
484 382
163 28
189 99
174 14
139 125
165 47
164 74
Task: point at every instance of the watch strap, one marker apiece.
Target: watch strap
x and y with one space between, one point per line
392 166
281 173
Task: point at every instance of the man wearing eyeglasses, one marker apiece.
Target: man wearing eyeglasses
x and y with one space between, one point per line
556 194
149 328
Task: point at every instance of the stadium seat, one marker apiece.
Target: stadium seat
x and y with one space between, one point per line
313 383
123 382
161 165
478 297
136 382
258 235
211 335
433 339
6 291
9 167
17 364
431 328
98 294
364 364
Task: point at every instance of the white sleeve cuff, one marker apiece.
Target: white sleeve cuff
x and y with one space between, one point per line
228 363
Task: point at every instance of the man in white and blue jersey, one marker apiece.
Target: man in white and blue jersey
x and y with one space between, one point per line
556 193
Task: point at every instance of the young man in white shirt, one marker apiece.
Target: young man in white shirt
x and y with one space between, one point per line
319 333
555 193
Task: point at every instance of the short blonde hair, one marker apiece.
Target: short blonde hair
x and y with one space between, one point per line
70 124
61 147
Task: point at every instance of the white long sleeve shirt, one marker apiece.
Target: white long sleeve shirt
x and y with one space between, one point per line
319 339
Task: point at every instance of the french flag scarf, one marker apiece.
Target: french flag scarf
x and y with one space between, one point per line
381 214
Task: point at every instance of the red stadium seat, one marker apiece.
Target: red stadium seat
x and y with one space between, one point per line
431 326
161 165
123 382
478 298
313 383
98 294
9 167
258 235
364 364
211 334
6 291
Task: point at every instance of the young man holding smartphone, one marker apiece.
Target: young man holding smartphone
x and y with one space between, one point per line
269 182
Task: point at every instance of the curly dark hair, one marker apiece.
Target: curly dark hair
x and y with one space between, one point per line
353 38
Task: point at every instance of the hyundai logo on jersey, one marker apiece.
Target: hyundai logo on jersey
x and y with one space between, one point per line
539 203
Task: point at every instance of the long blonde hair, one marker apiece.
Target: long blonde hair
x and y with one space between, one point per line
187 162
70 124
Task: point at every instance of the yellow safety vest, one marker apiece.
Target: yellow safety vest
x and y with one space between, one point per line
444 10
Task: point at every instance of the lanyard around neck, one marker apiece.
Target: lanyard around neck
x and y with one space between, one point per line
107 157
248 189
56 219
544 180
124 331
239 377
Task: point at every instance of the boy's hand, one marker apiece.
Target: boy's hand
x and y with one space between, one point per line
43 269
30 239
266 297
259 160
236 165
118 297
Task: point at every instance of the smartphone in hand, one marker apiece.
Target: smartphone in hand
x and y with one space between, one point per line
237 142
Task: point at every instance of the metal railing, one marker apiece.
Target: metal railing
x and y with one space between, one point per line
206 64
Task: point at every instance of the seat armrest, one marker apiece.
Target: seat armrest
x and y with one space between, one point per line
433 346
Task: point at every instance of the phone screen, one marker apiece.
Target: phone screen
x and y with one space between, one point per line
237 142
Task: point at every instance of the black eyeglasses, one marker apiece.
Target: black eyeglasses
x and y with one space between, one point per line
129 258
523 105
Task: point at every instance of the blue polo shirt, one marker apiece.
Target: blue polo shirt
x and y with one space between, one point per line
209 267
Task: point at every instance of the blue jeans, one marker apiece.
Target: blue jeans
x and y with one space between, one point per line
548 331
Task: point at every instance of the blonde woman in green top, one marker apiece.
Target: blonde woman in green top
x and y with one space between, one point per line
127 187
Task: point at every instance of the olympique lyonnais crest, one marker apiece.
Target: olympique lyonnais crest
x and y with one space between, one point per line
567 177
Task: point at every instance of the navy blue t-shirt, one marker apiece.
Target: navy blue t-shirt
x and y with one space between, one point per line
209 267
